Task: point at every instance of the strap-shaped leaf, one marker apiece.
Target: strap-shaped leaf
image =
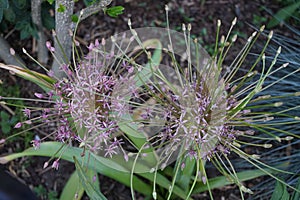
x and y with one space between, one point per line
296 194
102 165
280 192
73 188
93 192
42 80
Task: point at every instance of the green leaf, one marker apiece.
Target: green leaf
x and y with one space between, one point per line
61 8
47 20
72 188
44 81
20 4
143 76
1 14
89 187
26 28
102 165
3 5
115 11
5 125
280 192
10 15
283 14
296 194
184 176
49 149
50 2
74 18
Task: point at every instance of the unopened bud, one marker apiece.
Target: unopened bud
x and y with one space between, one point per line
18 125
154 195
234 21
219 23
183 27
285 65
279 50
288 138
12 51
38 95
113 39
166 7
222 39
189 27
129 22
45 165
268 119
254 34
267 146
297 94
277 104
270 35
255 156
234 38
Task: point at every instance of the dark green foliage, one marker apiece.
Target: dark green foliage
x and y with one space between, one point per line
7 122
44 194
47 19
17 14
281 193
3 6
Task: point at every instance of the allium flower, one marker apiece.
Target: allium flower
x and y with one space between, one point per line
152 96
